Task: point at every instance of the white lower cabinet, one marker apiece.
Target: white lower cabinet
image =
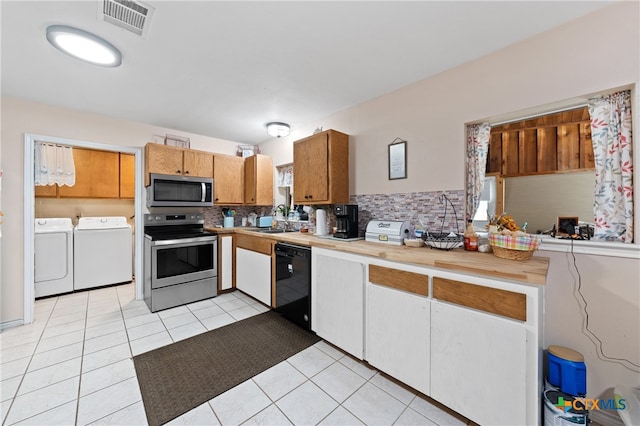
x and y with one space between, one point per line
478 364
471 343
253 274
397 341
226 262
337 300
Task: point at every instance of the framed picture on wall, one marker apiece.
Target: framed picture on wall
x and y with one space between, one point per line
398 159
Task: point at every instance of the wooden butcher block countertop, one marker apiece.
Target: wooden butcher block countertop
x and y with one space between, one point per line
532 271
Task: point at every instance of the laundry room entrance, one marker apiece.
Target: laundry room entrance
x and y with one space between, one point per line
83 216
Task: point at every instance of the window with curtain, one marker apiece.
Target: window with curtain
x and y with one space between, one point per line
545 148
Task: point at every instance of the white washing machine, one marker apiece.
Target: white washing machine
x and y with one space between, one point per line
53 256
102 251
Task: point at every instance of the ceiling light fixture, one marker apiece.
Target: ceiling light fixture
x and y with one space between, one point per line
83 45
277 130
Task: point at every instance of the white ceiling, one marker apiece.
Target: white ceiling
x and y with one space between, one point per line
224 69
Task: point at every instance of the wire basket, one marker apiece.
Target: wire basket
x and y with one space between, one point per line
444 240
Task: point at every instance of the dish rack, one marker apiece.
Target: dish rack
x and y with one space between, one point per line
444 240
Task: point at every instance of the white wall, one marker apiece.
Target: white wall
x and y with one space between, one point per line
611 288
83 207
559 68
19 117
555 68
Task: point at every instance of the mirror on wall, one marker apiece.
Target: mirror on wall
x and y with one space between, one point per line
540 168
540 199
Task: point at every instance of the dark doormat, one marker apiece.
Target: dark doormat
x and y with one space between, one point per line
179 377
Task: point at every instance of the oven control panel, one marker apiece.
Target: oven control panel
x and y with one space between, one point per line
173 219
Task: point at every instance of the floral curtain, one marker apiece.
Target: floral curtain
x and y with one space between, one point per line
612 146
477 149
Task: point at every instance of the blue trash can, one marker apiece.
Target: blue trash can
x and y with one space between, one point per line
566 370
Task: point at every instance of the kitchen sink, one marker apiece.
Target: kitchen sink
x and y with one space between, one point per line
270 230
274 231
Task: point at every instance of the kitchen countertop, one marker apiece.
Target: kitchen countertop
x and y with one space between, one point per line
532 271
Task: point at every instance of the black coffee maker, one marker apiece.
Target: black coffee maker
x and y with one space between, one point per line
347 220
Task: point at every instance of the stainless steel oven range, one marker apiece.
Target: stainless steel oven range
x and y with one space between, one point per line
180 260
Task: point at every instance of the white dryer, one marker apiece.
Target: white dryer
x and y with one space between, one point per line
102 251
53 256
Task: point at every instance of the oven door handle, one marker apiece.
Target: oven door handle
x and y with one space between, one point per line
183 241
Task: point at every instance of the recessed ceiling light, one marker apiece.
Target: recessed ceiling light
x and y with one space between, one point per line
83 45
277 129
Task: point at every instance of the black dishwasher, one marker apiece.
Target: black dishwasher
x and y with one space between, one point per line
293 283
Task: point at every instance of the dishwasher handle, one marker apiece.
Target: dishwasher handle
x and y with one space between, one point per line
292 251
284 254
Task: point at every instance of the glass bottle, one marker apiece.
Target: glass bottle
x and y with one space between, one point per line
470 237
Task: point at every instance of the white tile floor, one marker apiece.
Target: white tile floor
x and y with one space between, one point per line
74 365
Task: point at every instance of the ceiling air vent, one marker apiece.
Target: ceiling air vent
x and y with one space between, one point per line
130 15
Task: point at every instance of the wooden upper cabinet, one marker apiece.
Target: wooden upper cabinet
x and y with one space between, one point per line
228 179
127 175
46 191
553 143
162 159
82 187
169 160
258 180
97 175
197 163
228 172
321 169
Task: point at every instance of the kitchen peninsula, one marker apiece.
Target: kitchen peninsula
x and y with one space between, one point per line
450 324
533 271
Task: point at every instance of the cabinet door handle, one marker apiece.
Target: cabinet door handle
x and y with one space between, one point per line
178 171
186 172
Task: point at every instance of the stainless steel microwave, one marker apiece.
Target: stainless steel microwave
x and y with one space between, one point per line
179 191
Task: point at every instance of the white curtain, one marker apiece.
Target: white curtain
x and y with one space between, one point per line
285 176
54 165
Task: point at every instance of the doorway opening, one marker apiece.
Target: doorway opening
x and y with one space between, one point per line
29 211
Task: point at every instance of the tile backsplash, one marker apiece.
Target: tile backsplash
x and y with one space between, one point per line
414 207
213 215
